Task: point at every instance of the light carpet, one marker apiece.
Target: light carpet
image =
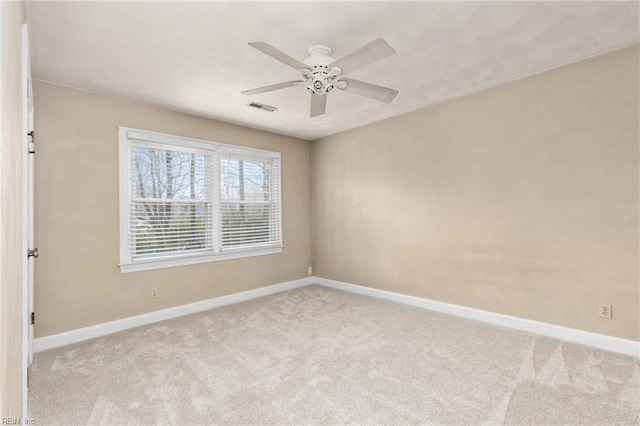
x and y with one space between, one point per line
321 356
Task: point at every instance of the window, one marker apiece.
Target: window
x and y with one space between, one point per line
185 201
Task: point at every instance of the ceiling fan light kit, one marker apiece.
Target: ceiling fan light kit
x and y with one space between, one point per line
319 79
321 73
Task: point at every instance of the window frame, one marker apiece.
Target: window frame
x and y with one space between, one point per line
129 136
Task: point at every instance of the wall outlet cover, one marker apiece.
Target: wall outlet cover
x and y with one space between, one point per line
604 310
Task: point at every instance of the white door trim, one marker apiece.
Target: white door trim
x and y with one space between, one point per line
27 217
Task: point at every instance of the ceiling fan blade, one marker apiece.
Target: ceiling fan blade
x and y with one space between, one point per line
279 55
318 105
379 93
367 54
272 87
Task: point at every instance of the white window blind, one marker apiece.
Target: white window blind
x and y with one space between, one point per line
186 201
249 202
171 201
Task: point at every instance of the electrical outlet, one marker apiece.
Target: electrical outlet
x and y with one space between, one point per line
348 269
605 310
154 293
310 270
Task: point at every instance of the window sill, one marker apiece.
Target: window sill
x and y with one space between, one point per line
149 264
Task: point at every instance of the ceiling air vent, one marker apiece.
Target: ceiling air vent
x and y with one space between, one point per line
262 106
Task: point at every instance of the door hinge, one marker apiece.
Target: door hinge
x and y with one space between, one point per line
33 318
32 134
33 253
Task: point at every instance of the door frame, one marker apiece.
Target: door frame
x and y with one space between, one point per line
27 189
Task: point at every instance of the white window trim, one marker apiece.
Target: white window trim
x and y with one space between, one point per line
126 134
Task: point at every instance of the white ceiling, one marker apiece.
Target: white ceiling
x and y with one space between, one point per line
194 57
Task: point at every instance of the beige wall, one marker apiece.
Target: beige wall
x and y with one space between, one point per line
77 281
12 17
521 199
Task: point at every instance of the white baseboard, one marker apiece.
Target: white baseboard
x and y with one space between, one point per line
600 341
86 333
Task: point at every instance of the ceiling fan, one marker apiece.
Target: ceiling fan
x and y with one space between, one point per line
321 73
